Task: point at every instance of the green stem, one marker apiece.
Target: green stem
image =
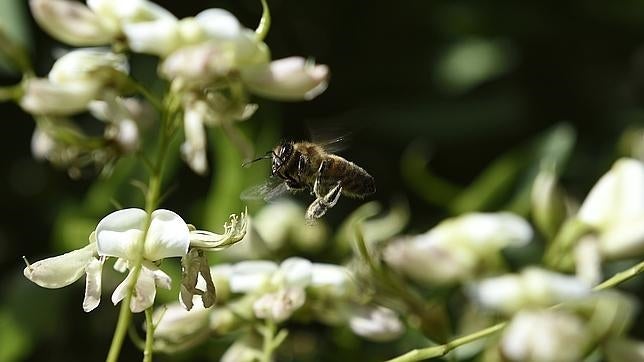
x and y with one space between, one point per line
151 202
621 277
149 332
443 349
267 346
264 22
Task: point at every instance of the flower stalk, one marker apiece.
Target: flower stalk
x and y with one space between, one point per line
151 201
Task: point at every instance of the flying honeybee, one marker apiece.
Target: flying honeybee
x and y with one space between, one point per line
298 166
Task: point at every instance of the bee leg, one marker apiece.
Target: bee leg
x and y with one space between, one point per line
317 186
318 208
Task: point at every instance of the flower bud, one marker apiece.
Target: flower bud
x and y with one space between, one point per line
91 67
533 287
544 336
615 208
42 97
279 306
378 324
292 78
71 22
548 203
193 149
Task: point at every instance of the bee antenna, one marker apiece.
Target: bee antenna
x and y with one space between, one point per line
268 154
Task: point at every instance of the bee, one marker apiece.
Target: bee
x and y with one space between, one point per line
298 166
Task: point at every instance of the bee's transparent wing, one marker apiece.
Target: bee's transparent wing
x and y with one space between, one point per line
333 140
268 191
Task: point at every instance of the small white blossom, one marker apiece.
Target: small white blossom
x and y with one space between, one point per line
71 22
123 117
534 287
75 79
119 235
378 324
176 326
538 336
280 305
292 78
615 208
458 248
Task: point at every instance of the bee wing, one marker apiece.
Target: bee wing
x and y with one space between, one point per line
331 139
268 191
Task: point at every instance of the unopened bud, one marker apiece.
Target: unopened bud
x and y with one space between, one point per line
292 78
548 203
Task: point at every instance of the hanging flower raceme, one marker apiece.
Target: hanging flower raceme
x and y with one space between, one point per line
140 244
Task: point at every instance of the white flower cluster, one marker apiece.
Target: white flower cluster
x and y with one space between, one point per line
538 332
211 61
121 235
261 290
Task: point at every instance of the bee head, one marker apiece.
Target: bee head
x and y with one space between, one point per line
281 154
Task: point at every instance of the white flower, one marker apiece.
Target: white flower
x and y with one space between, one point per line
123 116
544 336
71 22
193 149
251 275
44 97
378 324
534 287
292 78
280 305
615 208
457 248
62 270
42 144
75 79
118 13
177 326
119 235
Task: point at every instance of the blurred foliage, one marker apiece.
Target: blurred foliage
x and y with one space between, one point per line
484 85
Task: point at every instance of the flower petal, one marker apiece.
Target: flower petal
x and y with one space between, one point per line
250 275
297 272
70 22
168 236
62 270
193 149
41 96
618 195
291 78
160 37
219 24
118 233
145 291
93 284
377 324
